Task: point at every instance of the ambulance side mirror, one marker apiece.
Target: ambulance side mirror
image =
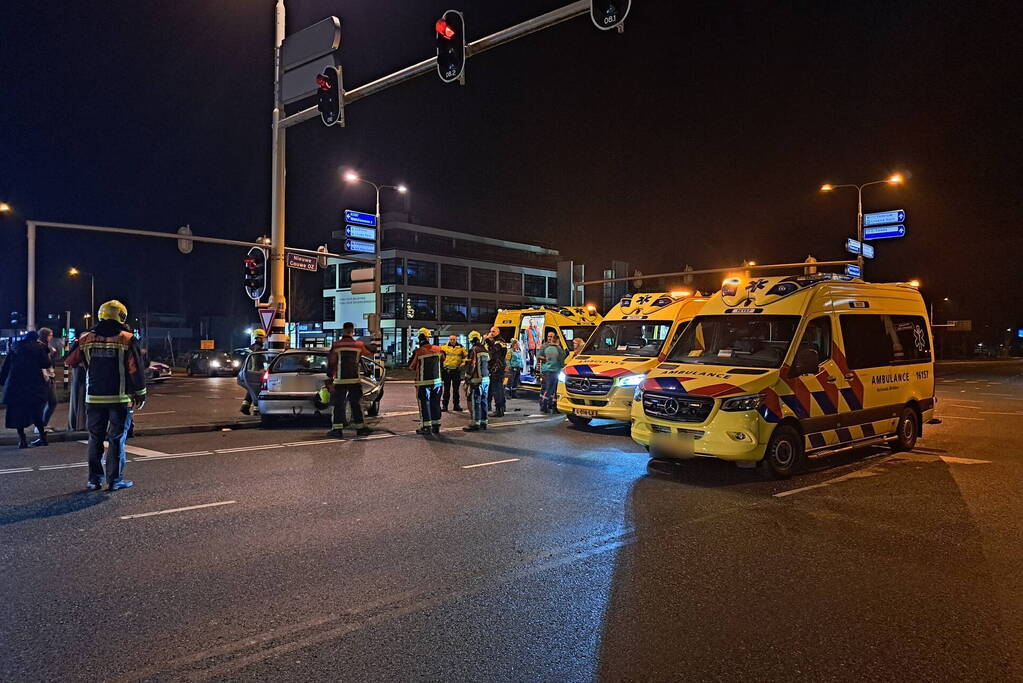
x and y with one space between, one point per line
806 362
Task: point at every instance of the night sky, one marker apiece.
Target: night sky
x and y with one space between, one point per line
698 136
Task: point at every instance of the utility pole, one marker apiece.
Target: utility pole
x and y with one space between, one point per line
278 329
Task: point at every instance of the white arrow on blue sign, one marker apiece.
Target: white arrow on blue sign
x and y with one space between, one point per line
360 218
856 247
853 270
361 233
884 217
883 232
360 246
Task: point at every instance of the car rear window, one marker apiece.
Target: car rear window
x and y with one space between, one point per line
300 362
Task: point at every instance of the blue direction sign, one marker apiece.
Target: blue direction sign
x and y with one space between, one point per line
883 232
360 218
853 270
360 246
360 233
857 247
884 217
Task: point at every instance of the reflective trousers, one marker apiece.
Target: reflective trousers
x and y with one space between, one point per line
429 405
478 402
350 394
107 422
549 390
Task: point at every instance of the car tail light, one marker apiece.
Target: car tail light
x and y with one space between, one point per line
266 376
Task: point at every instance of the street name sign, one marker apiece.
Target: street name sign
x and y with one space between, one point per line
883 232
884 217
853 270
856 247
301 262
360 218
314 41
360 246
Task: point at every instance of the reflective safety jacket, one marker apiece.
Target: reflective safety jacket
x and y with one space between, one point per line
427 361
498 352
477 365
454 355
113 363
343 360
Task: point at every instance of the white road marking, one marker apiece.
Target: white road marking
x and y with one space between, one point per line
990 412
959 417
16 470
170 456
134 450
404 412
955 405
43 468
858 474
484 464
984 393
167 512
155 412
964 461
249 448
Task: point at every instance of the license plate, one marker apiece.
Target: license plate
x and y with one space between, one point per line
680 445
583 412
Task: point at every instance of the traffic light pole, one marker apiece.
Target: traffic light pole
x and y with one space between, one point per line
278 338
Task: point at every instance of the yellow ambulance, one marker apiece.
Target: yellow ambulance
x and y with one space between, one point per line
775 368
631 340
531 326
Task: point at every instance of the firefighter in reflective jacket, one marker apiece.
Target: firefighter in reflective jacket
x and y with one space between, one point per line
115 383
343 368
427 362
477 381
258 344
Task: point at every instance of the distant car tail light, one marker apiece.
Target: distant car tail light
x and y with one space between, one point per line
266 376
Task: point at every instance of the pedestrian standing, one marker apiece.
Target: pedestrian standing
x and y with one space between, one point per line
532 342
115 388
477 380
498 351
26 388
427 362
552 360
343 365
514 368
258 343
454 358
45 339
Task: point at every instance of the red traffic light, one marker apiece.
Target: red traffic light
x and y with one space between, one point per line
444 29
323 82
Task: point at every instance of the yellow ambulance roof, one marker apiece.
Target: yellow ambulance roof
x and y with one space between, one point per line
657 306
790 294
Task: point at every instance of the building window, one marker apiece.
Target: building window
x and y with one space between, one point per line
330 277
392 271
536 285
454 277
391 307
484 280
421 273
420 307
552 288
329 307
510 283
483 311
454 309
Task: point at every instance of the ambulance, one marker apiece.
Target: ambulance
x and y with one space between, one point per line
531 325
776 368
631 340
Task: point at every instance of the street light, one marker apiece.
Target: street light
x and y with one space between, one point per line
5 207
74 272
893 179
353 177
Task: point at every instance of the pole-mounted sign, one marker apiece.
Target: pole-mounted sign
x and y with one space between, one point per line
884 217
857 247
360 218
883 232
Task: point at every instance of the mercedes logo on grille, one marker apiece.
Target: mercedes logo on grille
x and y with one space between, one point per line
585 385
670 407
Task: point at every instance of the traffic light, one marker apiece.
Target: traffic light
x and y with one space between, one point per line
255 273
607 14
330 96
450 35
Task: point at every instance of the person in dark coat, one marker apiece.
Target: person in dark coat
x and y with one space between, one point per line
25 387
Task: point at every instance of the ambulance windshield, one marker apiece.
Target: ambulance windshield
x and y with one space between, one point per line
628 338
759 341
577 332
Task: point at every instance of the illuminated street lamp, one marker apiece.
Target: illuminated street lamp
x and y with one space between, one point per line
5 207
894 179
74 272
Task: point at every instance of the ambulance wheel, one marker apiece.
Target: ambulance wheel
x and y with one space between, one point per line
374 409
908 429
578 421
784 455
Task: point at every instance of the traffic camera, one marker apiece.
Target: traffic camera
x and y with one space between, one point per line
450 38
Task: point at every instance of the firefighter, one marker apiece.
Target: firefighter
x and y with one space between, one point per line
343 368
454 357
427 362
258 344
477 381
498 351
116 384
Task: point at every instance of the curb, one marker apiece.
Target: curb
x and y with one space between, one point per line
65 436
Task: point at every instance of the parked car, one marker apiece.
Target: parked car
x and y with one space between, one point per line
291 383
157 372
212 364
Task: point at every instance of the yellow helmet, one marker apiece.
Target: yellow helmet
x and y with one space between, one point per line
113 310
425 332
258 333
475 336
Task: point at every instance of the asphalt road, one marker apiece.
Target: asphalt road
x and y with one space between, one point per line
533 551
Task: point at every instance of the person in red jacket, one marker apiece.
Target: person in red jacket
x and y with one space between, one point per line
427 362
343 363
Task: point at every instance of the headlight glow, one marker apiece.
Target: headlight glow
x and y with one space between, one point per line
631 380
235 363
561 376
740 403
214 363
